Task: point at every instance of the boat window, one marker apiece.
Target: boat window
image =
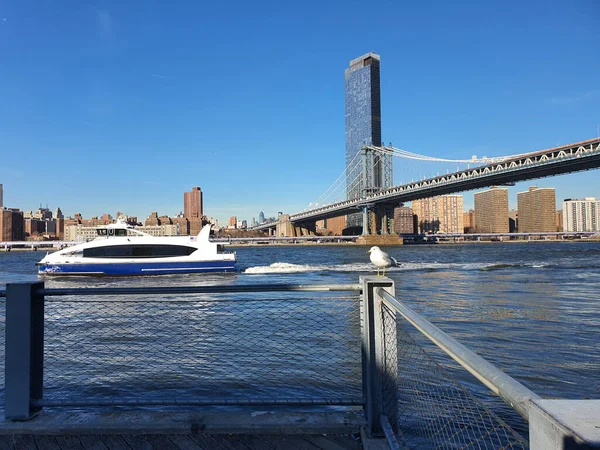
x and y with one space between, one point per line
120 232
101 231
138 251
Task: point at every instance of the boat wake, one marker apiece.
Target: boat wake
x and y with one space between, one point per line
283 267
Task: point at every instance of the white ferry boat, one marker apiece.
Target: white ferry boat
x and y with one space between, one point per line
120 249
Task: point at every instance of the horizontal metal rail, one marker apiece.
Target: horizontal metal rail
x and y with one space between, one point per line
199 402
201 289
510 390
197 289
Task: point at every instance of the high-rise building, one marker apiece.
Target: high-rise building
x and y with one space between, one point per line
469 221
491 211
581 215
403 220
232 222
1 197
363 127
513 221
192 204
11 225
537 210
442 214
261 217
559 220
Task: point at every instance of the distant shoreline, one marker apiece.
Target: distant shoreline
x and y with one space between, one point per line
346 243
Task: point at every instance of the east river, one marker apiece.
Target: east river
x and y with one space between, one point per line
531 309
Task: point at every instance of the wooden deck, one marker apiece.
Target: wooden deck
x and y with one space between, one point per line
195 441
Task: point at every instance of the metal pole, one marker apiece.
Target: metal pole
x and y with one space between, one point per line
24 367
373 350
365 221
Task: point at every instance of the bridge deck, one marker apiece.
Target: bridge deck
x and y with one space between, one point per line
195 441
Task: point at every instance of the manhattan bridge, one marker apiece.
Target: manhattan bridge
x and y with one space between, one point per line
366 185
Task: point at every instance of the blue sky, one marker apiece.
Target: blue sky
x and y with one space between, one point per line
122 106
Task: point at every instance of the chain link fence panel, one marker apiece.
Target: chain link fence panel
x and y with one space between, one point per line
427 408
204 349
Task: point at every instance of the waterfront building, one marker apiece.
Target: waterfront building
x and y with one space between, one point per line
152 219
581 215
442 214
58 214
33 227
537 210
404 222
261 217
11 225
1 197
60 228
232 222
469 221
192 204
513 221
491 210
363 127
559 220
182 223
87 233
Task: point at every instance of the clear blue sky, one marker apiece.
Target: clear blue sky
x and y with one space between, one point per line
122 106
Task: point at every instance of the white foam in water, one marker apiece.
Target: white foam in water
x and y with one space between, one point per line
282 267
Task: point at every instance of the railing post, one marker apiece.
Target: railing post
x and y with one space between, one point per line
373 350
24 366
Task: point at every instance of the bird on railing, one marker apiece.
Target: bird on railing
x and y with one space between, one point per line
381 259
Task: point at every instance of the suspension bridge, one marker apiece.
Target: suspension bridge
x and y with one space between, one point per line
376 203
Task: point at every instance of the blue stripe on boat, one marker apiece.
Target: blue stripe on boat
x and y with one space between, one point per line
137 268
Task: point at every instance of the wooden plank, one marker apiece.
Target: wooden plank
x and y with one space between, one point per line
160 442
6 442
23 442
347 442
215 441
281 442
323 443
92 442
46 443
114 442
255 442
69 443
138 442
184 442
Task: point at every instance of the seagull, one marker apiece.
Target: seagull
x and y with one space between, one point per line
381 259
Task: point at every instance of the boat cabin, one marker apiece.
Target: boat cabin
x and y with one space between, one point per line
111 231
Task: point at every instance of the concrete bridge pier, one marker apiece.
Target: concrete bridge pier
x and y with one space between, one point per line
305 229
285 228
378 226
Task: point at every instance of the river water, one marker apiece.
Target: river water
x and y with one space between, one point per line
531 309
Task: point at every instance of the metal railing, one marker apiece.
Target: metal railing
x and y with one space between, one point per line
246 345
89 348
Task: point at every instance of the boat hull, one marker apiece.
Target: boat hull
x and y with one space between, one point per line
137 268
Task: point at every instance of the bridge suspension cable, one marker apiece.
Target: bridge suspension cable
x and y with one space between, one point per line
337 191
410 155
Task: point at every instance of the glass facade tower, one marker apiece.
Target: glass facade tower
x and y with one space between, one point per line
363 127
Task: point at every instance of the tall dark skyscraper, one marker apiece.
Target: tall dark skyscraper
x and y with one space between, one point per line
363 127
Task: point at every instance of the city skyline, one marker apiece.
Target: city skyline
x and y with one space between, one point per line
88 105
